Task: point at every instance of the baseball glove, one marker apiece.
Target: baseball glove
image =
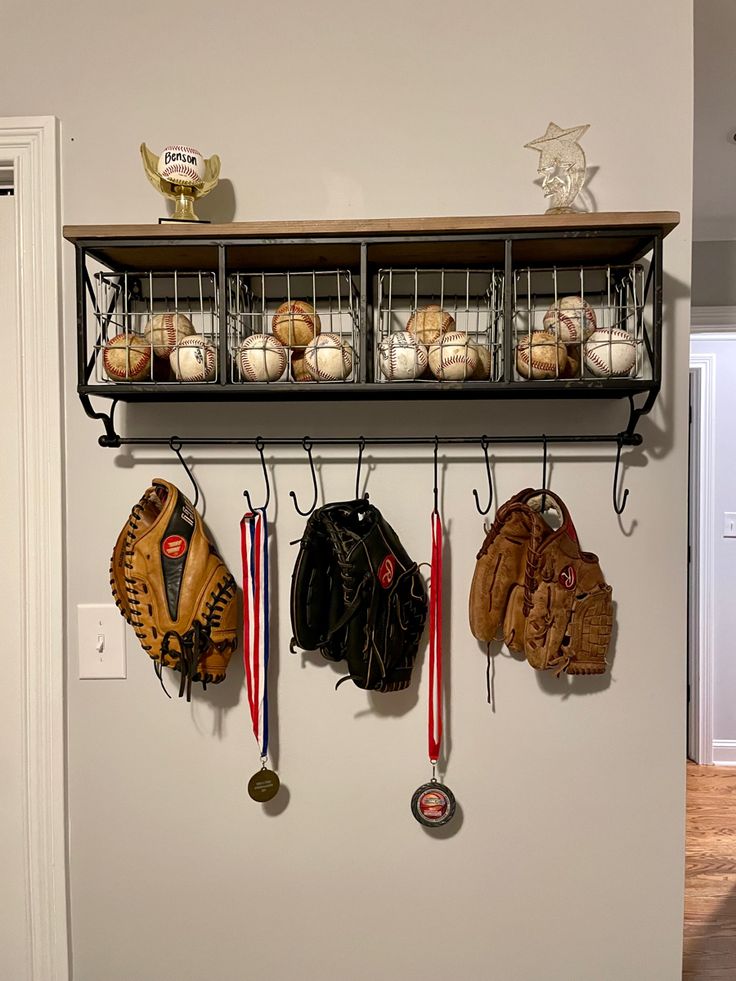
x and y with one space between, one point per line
357 596
173 588
549 598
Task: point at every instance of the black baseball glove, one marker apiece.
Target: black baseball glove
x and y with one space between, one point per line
356 595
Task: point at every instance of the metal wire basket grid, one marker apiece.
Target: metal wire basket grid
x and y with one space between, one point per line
294 327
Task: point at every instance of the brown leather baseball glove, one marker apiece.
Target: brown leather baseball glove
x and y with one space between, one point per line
548 596
173 588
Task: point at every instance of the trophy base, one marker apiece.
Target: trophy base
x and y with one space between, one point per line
184 221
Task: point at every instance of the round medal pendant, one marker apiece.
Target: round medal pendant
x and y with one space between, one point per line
433 804
263 785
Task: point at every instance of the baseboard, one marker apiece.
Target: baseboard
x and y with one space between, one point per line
724 752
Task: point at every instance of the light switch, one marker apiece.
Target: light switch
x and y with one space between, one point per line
729 524
101 632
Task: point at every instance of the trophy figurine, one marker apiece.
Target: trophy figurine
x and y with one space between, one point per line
561 166
182 174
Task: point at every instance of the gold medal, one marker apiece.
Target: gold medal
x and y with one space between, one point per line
263 785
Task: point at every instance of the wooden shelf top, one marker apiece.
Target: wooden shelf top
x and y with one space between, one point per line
370 227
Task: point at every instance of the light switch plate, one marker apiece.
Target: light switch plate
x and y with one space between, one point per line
729 524
101 638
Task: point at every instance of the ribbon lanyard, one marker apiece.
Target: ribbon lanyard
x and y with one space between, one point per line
434 729
254 541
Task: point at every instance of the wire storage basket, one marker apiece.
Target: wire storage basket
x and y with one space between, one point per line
439 325
294 327
585 323
155 327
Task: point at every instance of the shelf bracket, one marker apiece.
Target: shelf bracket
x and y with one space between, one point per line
110 437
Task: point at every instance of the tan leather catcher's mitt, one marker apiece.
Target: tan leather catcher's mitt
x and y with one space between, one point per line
534 584
174 589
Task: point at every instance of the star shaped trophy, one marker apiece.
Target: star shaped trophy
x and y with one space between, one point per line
561 166
182 174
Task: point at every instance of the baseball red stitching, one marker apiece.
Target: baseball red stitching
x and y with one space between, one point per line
209 360
334 343
143 355
247 369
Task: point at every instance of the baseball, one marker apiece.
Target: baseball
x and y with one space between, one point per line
540 355
299 371
328 359
181 165
572 367
427 323
453 358
296 323
194 359
261 357
127 357
165 330
484 368
571 318
401 356
610 353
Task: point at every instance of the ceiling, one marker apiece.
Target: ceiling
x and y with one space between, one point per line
714 174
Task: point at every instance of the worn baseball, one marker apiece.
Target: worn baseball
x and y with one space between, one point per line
295 323
484 368
328 359
181 165
572 367
194 359
571 319
261 357
299 371
402 357
453 357
164 331
540 355
428 323
127 357
610 353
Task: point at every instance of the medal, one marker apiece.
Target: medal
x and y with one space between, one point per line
433 804
264 784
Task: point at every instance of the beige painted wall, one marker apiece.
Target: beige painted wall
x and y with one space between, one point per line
566 863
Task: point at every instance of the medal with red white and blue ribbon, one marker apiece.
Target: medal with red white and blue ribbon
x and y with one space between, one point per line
433 804
264 784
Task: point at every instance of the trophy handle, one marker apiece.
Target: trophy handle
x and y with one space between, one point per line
150 165
211 175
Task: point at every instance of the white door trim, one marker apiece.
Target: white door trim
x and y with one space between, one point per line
31 145
703 536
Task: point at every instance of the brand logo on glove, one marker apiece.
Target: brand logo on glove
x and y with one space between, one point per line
174 546
386 571
568 578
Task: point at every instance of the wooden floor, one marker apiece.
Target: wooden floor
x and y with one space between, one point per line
710 878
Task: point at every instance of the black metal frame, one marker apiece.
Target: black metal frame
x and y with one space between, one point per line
649 242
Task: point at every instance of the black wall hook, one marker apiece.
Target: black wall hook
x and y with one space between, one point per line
307 444
544 472
484 446
260 446
176 445
619 507
361 447
435 489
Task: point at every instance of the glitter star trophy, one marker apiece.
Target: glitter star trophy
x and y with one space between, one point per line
561 166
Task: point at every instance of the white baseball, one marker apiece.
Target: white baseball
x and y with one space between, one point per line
164 331
402 356
181 165
454 357
261 357
571 318
327 358
610 353
483 370
429 323
127 357
540 355
194 359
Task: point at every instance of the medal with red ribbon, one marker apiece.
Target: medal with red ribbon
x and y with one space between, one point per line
433 804
264 784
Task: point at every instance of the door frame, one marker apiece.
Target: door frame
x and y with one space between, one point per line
31 146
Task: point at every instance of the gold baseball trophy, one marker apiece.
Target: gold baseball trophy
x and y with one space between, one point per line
182 174
561 166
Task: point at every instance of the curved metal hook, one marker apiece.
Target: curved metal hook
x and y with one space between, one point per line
619 507
361 447
307 444
544 472
176 445
484 445
260 446
435 490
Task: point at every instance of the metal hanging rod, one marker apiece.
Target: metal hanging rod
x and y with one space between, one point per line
622 439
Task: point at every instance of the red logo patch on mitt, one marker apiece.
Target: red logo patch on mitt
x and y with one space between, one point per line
567 577
386 571
174 546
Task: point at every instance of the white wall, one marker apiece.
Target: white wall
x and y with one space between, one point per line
567 861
